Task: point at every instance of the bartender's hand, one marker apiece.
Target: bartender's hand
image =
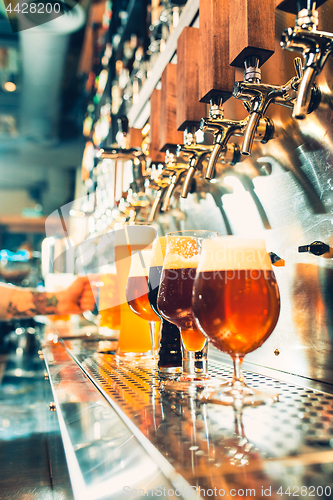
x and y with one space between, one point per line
77 298
23 302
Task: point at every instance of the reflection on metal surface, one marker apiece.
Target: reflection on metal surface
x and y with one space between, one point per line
286 444
104 457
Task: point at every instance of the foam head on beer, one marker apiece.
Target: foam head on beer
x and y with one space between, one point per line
182 252
234 253
158 251
134 235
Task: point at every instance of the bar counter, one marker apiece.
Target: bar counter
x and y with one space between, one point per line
125 438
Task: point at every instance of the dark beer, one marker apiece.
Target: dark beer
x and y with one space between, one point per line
237 309
170 352
175 305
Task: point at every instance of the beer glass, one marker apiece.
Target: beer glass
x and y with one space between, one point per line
170 357
236 303
137 292
134 338
108 301
175 304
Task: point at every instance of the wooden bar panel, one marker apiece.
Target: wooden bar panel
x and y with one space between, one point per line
291 5
169 135
216 77
135 137
189 109
154 121
253 30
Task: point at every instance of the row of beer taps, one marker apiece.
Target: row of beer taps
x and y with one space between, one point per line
192 162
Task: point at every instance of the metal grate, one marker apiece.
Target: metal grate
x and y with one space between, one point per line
286 444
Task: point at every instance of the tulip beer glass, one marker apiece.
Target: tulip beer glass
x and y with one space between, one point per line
175 304
236 304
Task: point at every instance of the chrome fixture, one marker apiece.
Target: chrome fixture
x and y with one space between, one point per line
197 153
176 172
161 185
315 46
224 129
258 96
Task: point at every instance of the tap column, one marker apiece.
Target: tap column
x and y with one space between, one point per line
252 42
216 76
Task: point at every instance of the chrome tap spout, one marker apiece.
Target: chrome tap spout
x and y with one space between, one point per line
259 96
161 186
223 130
315 46
176 179
195 164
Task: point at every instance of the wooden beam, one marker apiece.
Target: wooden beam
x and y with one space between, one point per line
169 135
189 109
253 30
216 77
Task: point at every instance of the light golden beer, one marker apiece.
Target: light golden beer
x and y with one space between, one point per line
109 314
134 338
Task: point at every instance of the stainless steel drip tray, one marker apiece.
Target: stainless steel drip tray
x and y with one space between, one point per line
277 449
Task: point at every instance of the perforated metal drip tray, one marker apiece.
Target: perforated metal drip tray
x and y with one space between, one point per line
286 445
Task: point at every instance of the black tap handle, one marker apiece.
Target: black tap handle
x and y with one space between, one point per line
294 6
316 248
123 124
276 260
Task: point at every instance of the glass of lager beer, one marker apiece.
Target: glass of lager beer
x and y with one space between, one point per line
236 303
108 301
137 292
175 305
134 337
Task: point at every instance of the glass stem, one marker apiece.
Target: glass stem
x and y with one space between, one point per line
152 330
238 374
239 427
195 362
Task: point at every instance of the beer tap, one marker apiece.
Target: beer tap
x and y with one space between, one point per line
223 129
258 96
251 44
196 152
161 185
176 172
315 46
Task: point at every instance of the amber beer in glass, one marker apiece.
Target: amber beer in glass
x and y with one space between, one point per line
137 292
175 304
170 357
236 304
134 338
137 286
